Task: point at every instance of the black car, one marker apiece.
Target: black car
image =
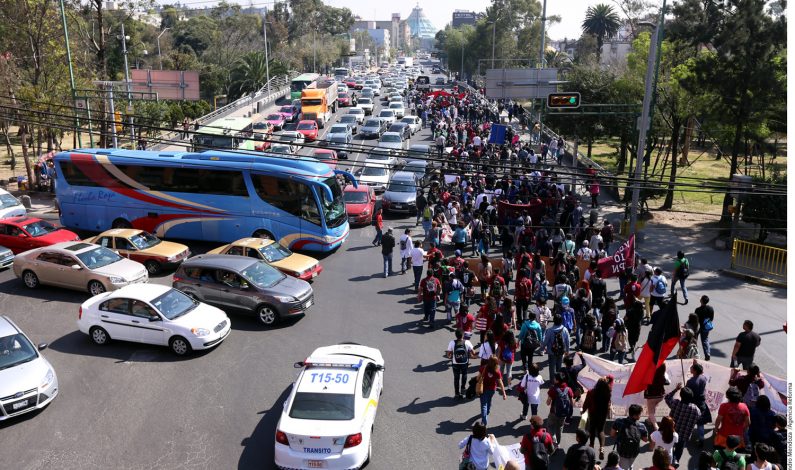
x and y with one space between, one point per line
372 128
440 81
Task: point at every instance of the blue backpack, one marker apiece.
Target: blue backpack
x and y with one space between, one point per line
660 287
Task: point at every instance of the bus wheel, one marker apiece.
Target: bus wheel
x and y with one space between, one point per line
263 234
121 223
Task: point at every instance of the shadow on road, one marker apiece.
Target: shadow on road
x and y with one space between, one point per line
79 344
440 366
417 408
258 448
409 327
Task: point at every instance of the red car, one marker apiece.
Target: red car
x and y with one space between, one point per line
26 233
309 129
350 82
360 204
344 99
327 156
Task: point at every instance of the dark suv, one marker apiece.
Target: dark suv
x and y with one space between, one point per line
245 285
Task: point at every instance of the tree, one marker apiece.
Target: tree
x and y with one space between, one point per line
765 208
743 68
601 21
249 74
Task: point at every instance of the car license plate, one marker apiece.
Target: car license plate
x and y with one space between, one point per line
309 302
316 463
398 206
20 404
314 275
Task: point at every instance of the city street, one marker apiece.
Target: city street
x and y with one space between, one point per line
133 406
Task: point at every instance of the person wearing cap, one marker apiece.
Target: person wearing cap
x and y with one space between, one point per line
387 247
569 321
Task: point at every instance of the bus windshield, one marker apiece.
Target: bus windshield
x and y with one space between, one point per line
204 142
333 210
297 85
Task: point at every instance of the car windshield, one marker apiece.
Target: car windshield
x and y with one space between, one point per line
174 304
286 109
343 95
15 350
348 119
356 197
339 129
365 101
39 228
408 120
305 126
280 148
390 138
356 111
274 252
401 187
323 406
144 240
311 102
378 156
262 274
414 169
274 117
98 257
333 210
386 113
374 171
395 105
260 126
7 200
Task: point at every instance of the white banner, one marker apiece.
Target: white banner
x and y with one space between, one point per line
717 382
503 454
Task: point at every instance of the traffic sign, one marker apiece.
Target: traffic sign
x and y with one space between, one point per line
563 100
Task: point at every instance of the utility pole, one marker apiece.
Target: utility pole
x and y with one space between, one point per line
267 66
493 40
652 68
127 83
71 76
314 51
159 57
462 61
541 55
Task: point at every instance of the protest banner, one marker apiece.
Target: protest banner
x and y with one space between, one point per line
623 258
504 454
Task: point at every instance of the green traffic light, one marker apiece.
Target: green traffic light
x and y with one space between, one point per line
572 100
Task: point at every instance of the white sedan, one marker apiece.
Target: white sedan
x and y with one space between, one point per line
328 418
153 314
414 122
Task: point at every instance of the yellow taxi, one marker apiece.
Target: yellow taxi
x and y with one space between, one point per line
293 264
138 245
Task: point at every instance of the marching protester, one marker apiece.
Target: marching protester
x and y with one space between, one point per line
628 433
597 406
685 414
460 351
478 447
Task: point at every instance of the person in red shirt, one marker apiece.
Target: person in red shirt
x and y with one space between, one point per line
537 434
492 378
379 228
434 254
488 312
430 290
733 418
523 295
631 291
465 321
497 287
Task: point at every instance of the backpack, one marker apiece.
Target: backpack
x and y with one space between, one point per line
558 347
531 342
426 213
542 292
403 243
620 342
539 456
507 355
496 288
454 294
729 463
660 287
460 353
628 441
561 405
588 340
752 394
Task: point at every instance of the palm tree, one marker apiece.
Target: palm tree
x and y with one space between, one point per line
557 59
601 21
250 73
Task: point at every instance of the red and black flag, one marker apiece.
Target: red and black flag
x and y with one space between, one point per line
663 337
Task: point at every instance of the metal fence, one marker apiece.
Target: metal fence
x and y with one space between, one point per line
763 259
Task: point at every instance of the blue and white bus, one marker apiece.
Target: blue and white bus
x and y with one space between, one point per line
212 196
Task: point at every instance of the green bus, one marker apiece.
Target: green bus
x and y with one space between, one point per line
305 80
230 133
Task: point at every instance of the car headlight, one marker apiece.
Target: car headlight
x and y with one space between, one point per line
47 380
200 331
285 298
366 211
117 280
173 258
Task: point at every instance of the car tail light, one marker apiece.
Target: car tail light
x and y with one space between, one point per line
353 440
80 313
281 438
177 278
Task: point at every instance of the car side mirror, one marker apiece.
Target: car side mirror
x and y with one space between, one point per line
76 267
342 155
23 235
298 365
42 346
244 285
154 318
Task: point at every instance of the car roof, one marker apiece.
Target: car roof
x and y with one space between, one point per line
233 262
376 163
362 188
391 133
253 242
356 108
7 327
146 292
120 232
347 350
307 121
404 175
71 248
417 163
19 220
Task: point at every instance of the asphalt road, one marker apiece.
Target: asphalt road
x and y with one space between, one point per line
138 407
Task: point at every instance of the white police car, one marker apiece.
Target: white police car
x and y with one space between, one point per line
328 418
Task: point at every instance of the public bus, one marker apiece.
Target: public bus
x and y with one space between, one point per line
228 133
299 83
209 196
341 72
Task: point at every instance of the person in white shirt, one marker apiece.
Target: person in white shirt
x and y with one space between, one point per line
460 351
542 313
476 141
479 446
596 239
417 260
531 383
453 219
665 433
645 292
658 289
585 252
405 250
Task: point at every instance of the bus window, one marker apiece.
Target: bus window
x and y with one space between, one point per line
293 197
74 176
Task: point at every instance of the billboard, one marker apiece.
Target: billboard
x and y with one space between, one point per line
523 83
461 17
168 84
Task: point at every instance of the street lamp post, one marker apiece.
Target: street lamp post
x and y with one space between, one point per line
461 77
314 51
652 67
124 39
267 66
159 57
493 40
541 57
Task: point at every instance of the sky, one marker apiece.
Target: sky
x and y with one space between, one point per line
440 12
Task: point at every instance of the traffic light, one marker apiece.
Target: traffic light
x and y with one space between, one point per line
563 100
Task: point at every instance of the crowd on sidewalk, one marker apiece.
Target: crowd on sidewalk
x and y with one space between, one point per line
533 297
